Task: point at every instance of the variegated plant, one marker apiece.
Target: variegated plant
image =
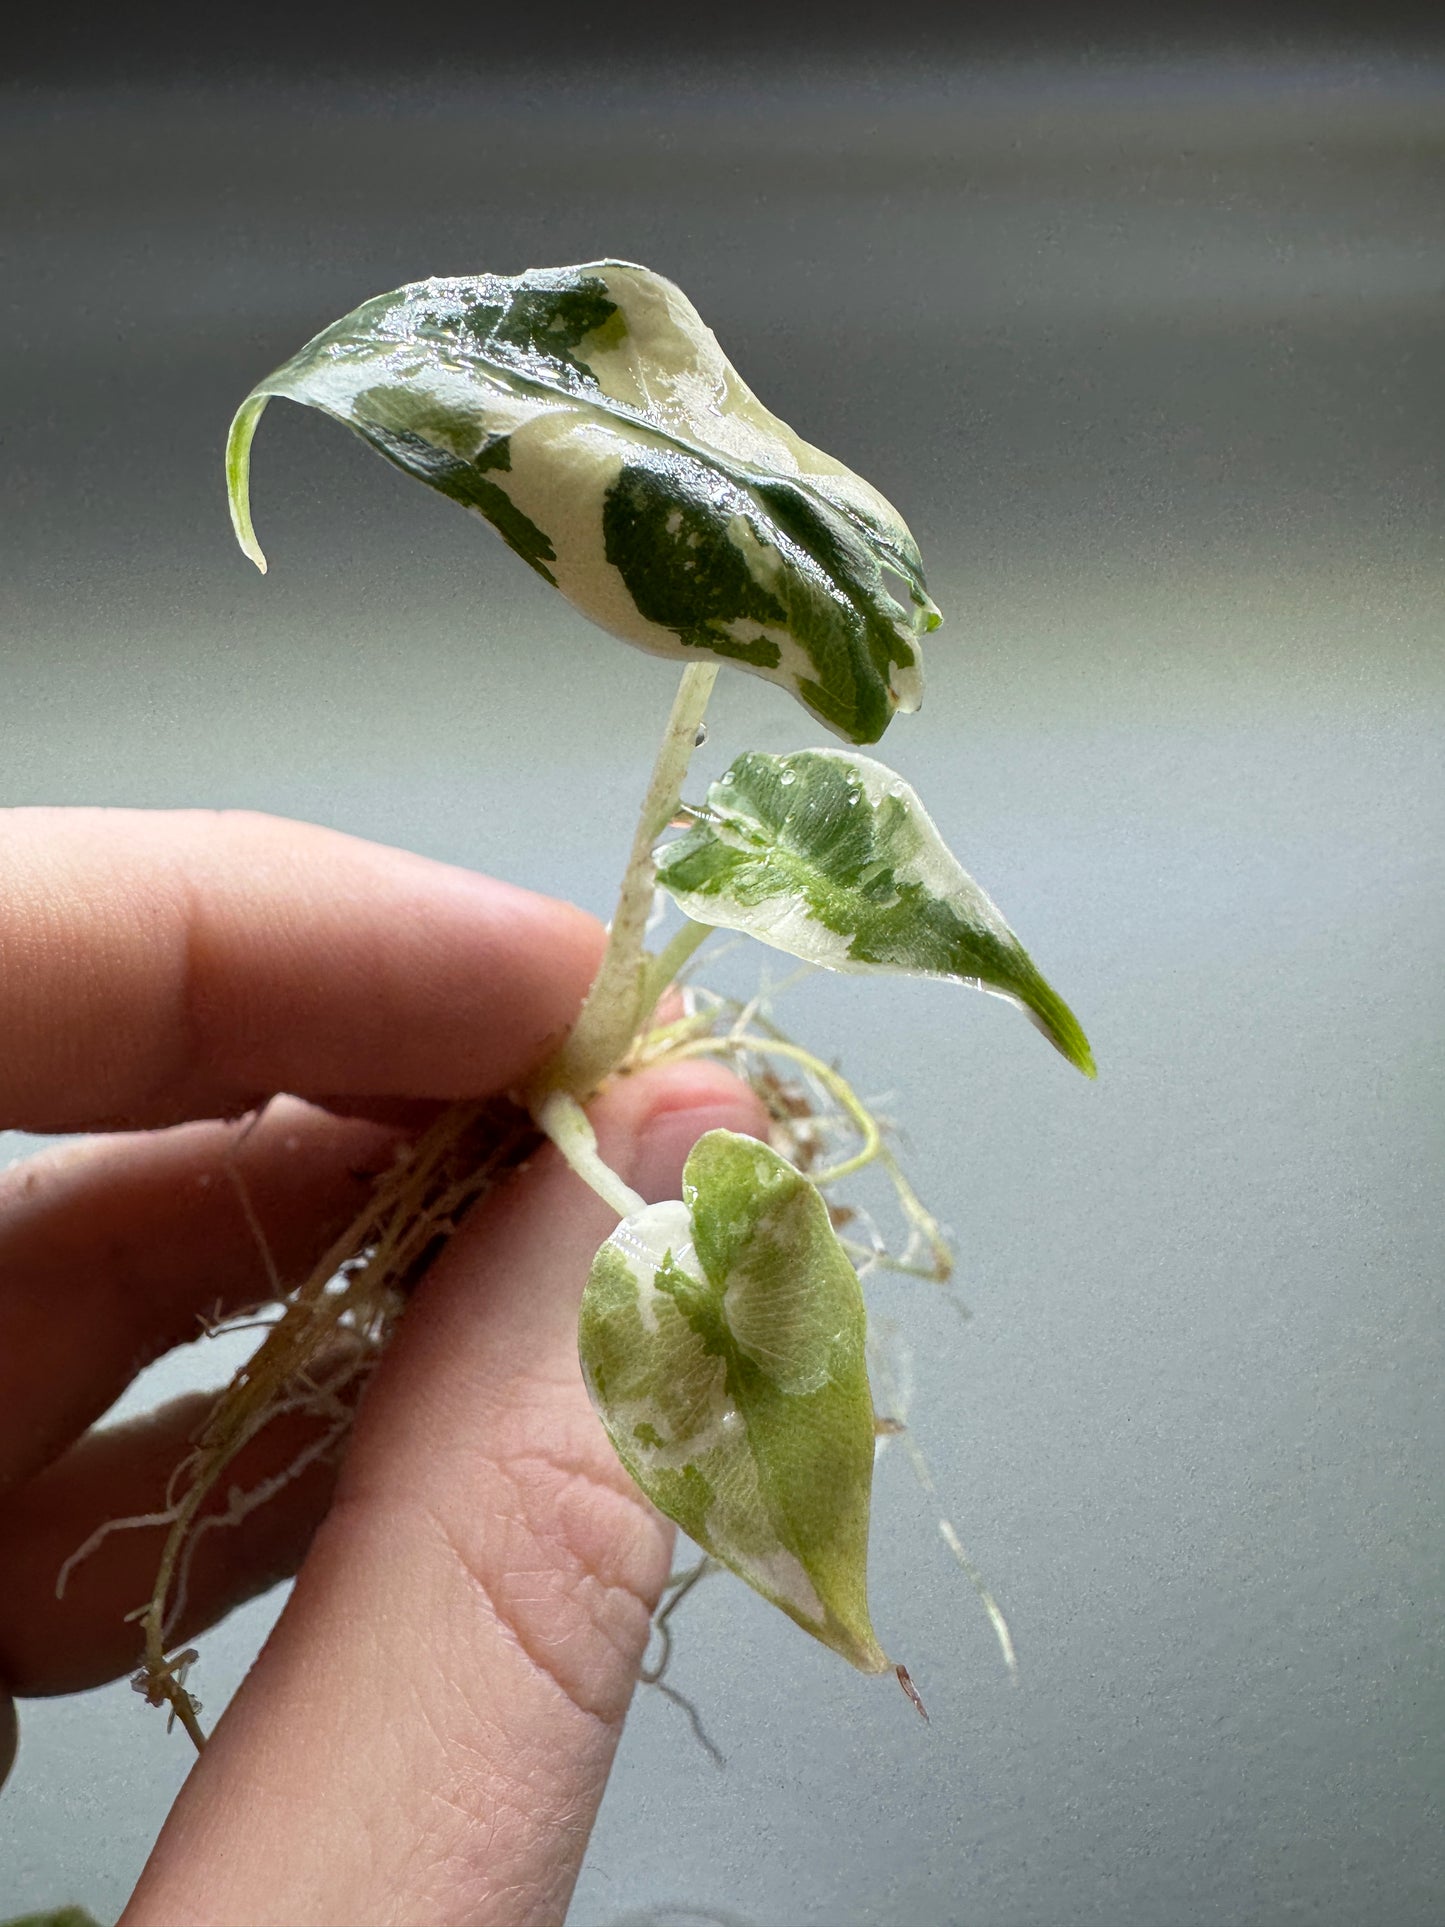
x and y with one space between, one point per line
591 417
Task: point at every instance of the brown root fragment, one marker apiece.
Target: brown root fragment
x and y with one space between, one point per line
906 1682
329 1330
171 1689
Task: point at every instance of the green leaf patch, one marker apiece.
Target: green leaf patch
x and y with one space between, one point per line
722 1340
831 857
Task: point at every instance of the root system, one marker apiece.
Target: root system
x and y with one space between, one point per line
325 1334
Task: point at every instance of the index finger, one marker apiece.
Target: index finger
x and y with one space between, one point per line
157 966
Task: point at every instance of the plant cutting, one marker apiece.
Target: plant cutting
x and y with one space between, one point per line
589 415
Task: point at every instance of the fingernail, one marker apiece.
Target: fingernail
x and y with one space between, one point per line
662 1144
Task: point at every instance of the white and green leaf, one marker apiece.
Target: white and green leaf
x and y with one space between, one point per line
831 857
722 1339
589 414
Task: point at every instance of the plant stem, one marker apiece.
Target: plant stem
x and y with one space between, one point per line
663 968
565 1122
614 1008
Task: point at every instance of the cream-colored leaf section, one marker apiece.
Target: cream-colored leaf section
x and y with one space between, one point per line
670 364
770 1305
685 1421
917 852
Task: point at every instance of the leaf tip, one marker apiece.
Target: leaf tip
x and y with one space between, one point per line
1083 1058
1075 1046
238 476
1047 1010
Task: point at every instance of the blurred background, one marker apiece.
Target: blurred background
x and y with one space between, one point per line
1142 331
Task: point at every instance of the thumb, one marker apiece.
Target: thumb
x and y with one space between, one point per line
427 1734
9 1735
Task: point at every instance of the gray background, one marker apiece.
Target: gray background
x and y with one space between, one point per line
1149 352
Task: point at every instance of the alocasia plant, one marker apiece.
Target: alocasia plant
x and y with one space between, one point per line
589 415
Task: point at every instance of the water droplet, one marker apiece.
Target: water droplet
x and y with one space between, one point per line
788 776
701 736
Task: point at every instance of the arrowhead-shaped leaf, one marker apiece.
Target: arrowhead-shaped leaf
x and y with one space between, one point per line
830 856
722 1339
591 417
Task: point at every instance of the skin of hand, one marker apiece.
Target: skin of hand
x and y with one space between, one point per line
427 1733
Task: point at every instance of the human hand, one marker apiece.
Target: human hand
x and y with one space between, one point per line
427 1733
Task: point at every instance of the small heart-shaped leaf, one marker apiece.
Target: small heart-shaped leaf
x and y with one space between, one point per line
722 1340
830 856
